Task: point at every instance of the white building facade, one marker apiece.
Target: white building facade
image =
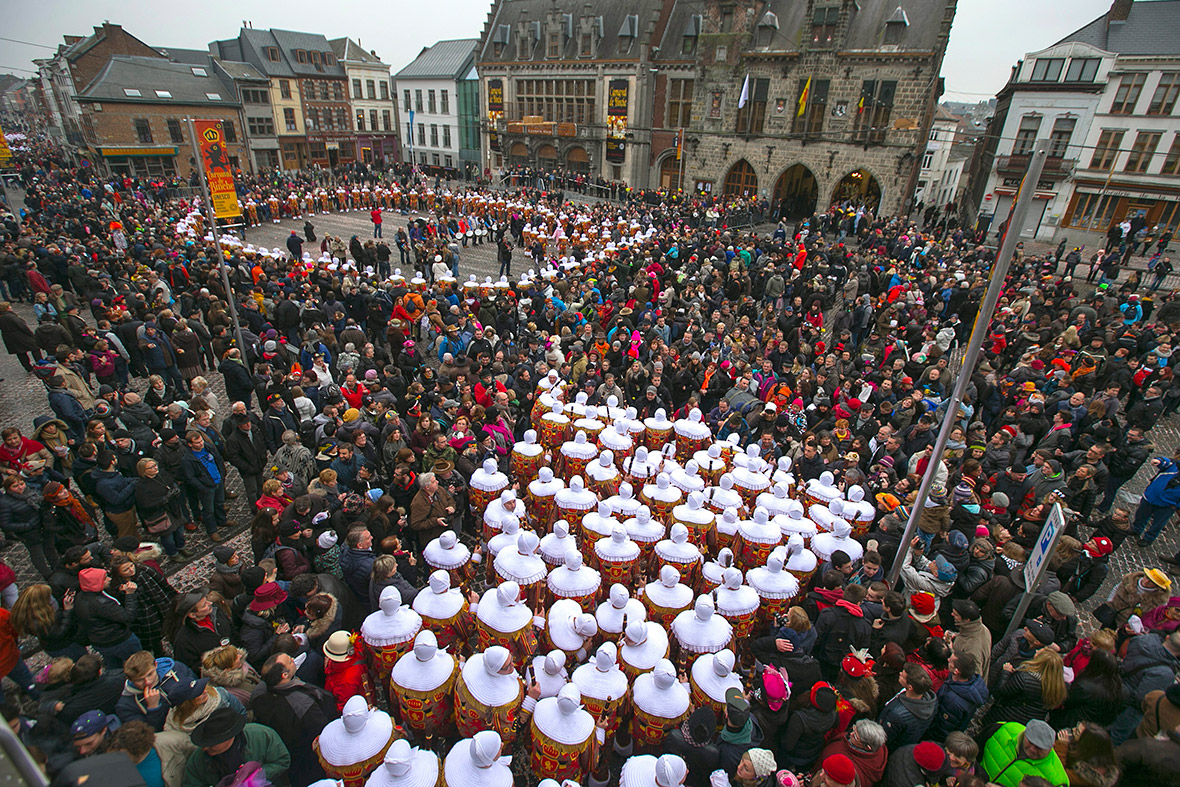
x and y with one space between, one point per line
938 179
372 102
427 92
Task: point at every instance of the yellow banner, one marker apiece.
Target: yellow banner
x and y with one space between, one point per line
5 151
219 173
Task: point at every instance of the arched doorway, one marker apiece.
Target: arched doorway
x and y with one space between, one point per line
670 173
547 157
518 154
578 160
860 188
796 192
741 180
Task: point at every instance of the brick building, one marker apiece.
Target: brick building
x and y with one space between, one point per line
308 93
72 67
133 116
372 106
840 96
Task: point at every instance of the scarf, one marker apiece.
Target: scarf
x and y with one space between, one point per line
65 499
742 737
222 568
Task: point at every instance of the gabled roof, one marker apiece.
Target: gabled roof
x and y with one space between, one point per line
290 41
1149 29
449 59
252 44
621 20
147 76
347 49
76 46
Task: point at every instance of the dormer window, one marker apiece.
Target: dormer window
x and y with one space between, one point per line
553 48
628 32
586 48
301 55
500 39
767 27
895 26
1048 69
692 31
823 24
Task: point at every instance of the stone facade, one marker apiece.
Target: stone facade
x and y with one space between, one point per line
845 152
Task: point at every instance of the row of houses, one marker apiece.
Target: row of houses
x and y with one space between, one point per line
288 100
802 103
1105 97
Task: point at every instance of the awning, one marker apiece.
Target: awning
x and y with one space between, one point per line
136 151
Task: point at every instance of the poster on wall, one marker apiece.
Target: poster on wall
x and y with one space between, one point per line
616 107
496 95
616 150
494 140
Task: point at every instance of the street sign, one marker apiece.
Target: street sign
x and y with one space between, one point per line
218 171
1046 542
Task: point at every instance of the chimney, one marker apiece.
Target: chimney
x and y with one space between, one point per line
1119 11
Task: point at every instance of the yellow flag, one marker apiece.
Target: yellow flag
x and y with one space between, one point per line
803 98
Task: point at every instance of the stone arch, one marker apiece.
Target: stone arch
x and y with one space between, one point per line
669 169
518 154
860 186
577 159
796 192
547 156
741 180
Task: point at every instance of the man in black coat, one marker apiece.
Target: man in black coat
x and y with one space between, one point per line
203 472
239 385
245 449
297 711
295 245
840 628
202 629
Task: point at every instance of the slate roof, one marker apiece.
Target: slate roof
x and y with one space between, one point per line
1150 29
252 43
148 75
866 24
449 59
614 14
347 49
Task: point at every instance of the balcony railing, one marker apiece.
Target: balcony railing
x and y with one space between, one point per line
1055 168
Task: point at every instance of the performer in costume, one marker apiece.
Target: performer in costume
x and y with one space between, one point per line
542 498
666 598
503 618
660 702
353 746
572 580
406 766
700 630
488 693
422 689
485 485
618 557
445 611
710 678
476 762
566 740
646 770
388 634
526 458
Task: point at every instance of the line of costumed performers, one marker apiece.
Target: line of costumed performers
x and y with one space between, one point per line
558 652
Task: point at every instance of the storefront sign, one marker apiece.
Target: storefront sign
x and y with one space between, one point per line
218 172
109 152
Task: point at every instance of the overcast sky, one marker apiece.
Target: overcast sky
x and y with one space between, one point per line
988 36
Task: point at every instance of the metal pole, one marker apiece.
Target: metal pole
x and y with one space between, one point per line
1038 564
680 150
199 163
1024 200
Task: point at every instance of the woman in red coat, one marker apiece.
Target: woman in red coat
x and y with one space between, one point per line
346 673
10 660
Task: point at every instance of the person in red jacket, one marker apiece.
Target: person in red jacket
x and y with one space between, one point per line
345 671
10 660
375 215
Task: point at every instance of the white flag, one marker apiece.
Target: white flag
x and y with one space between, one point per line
745 96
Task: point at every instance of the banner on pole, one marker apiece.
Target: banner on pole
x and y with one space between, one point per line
218 171
5 151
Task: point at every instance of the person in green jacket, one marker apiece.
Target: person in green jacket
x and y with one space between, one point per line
225 742
1015 751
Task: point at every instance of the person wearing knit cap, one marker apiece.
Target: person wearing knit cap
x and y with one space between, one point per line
835 771
108 623
807 728
695 740
923 763
226 578
756 767
1082 576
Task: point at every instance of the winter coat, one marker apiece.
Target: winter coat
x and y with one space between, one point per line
1087 700
1129 600
102 694
133 707
1018 698
194 472
246 450
1164 489
116 491
298 712
291 561
1148 666
240 682
975 638
346 679
238 383
356 565
18 336
804 736
191 641
906 719
21 517
105 622
957 703
1003 765
259 743
257 637
157 352
839 629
